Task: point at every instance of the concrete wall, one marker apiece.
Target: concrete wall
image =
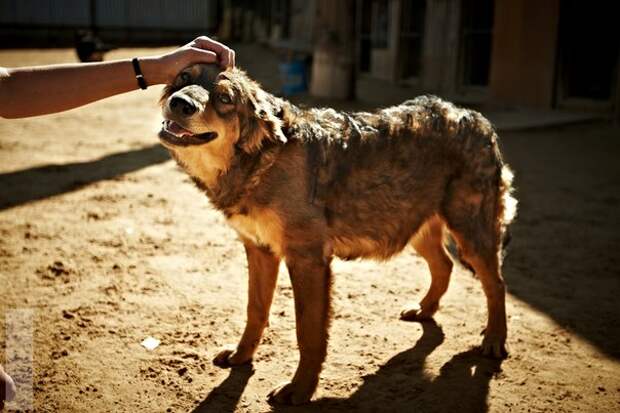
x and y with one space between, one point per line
524 52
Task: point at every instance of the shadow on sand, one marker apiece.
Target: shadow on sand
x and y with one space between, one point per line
224 398
563 257
401 385
33 184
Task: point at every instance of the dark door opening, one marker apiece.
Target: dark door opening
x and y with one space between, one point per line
476 41
281 17
413 14
589 42
373 30
365 36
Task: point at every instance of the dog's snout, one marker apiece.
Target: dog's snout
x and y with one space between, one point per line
182 106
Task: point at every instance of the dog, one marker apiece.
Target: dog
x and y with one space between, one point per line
306 185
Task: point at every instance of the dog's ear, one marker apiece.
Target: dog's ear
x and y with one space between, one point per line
263 121
165 94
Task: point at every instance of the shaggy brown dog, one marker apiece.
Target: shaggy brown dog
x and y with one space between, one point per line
306 185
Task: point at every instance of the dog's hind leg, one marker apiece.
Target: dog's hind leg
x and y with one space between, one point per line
428 242
263 274
473 216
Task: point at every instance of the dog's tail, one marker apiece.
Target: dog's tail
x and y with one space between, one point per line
507 203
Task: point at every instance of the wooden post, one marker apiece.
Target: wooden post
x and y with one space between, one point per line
334 50
617 97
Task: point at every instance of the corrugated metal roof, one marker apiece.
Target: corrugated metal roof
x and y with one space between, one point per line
147 14
45 12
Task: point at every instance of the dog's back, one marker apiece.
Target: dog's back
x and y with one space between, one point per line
380 176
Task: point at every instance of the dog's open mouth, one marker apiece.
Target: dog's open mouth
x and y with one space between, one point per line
174 134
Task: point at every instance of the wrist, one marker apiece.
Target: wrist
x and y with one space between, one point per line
152 70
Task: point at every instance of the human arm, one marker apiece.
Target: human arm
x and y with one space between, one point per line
40 90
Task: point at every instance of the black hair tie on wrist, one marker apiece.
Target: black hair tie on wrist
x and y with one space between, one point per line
138 72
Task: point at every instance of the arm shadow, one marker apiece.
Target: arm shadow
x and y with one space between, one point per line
33 184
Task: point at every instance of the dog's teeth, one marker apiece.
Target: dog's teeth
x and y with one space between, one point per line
174 129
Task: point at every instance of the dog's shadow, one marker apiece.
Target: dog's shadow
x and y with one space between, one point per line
402 384
225 397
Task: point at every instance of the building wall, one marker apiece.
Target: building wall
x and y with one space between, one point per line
303 15
439 60
524 52
441 46
383 60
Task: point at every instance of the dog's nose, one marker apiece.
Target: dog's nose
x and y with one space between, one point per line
182 106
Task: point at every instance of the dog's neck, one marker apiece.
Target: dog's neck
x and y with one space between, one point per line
230 187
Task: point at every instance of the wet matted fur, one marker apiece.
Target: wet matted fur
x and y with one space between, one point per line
304 186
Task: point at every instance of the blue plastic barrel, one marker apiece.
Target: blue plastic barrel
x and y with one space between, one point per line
293 75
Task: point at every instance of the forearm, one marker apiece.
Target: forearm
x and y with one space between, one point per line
33 91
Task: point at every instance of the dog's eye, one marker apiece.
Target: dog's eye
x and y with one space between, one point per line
224 98
185 77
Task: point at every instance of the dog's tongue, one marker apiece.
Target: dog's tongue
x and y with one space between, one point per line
176 129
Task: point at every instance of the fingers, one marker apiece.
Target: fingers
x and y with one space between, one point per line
231 58
226 55
203 56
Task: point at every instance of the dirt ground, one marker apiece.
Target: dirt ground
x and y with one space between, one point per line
109 243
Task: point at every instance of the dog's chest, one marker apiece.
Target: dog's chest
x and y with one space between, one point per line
261 226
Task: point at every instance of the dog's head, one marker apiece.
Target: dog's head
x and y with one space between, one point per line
209 112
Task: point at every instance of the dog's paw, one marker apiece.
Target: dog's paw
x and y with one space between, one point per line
230 357
494 346
291 393
414 312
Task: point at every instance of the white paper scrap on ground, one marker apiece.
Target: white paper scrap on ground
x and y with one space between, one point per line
150 343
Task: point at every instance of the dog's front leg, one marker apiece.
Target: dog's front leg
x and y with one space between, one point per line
311 278
263 274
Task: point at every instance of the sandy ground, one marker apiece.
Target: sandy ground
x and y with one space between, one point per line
108 243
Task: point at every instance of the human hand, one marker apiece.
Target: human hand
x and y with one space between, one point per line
164 68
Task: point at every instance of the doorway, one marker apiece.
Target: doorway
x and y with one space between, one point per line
476 42
412 25
589 45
